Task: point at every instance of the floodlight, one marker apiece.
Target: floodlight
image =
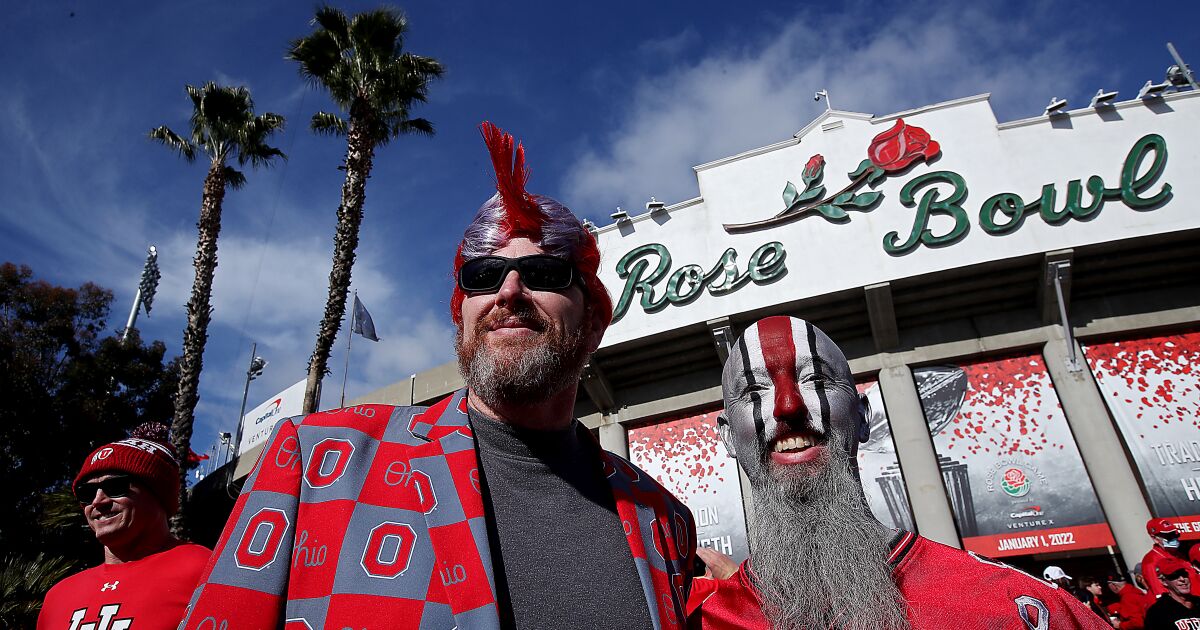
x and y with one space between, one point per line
589 226
1153 90
655 205
620 216
1056 106
1103 99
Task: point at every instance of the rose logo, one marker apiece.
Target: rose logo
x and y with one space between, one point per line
889 152
814 167
896 148
1015 483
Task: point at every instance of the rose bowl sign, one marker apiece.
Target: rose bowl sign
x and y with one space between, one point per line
937 188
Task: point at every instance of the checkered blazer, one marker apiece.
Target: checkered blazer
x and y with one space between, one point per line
372 517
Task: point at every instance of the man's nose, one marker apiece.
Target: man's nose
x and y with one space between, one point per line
101 498
789 404
511 290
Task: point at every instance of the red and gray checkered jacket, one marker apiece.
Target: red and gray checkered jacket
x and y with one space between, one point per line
372 517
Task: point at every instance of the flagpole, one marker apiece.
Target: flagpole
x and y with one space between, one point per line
349 337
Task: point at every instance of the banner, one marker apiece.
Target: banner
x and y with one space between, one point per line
687 457
1013 473
257 424
1152 388
878 468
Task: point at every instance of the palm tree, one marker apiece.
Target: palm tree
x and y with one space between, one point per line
361 62
23 585
223 127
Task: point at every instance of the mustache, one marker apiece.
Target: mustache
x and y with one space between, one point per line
523 315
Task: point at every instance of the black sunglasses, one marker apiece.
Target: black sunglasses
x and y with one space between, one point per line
539 272
113 487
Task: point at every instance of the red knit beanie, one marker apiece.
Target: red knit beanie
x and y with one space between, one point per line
145 454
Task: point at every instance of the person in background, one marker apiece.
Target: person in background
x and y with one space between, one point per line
819 559
1139 580
1132 602
1166 547
1095 594
494 508
1178 608
128 490
1055 575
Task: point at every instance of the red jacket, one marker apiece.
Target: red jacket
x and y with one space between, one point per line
1150 564
1131 606
943 587
372 517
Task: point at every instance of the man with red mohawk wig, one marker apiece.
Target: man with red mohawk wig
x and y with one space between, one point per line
493 508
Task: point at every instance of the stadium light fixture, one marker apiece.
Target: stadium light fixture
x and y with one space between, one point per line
1103 99
1153 90
1056 106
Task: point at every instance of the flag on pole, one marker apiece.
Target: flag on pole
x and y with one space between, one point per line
363 324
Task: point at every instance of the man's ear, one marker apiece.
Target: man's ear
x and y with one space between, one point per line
596 323
726 434
864 412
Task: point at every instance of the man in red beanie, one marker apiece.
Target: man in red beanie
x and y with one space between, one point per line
1166 547
128 490
494 508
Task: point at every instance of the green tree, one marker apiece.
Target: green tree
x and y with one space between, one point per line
68 387
23 586
361 63
223 127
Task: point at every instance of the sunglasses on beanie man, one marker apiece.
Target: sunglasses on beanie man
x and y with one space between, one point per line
113 487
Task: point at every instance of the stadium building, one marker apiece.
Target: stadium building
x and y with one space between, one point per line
943 251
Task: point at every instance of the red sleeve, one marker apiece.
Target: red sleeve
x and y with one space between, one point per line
1150 573
244 585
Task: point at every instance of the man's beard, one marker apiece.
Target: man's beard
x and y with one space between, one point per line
522 371
819 558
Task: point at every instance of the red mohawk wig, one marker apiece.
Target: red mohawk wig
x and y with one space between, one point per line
523 216
515 213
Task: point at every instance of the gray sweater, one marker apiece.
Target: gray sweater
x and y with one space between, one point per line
559 552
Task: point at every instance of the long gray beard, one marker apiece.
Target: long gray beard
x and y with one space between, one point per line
521 374
819 558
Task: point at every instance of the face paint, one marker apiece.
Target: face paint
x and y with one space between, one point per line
789 397
779 355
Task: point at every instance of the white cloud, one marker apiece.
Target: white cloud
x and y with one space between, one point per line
738 99
273 293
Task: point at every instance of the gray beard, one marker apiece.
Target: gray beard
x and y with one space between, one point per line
819 558
521 373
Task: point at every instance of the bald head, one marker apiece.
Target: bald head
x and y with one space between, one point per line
789 398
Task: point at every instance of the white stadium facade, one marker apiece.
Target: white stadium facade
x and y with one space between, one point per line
941 250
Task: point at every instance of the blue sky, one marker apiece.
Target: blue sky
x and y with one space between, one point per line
614 101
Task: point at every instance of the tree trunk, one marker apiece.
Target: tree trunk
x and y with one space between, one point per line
360 151
196 334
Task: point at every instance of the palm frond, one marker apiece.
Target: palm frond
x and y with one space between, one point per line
224 125
172 140
234 178
60 511
23 585
361 60
252 140
396 123
333 21
378 37
329 124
